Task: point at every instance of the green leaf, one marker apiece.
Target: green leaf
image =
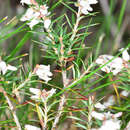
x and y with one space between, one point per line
120 19
19 46
81 126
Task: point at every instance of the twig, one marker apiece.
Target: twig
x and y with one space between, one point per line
64 73
76 24
12 109
62 102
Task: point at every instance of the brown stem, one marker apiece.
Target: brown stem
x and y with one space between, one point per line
11 107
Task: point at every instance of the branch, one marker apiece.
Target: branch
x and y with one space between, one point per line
12 109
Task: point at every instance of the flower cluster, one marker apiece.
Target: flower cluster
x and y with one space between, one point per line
110 121
84 5
41 95
36 14
43 72
4 67
116 65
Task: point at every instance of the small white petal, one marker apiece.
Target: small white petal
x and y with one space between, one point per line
110 101
125 55
92 1
110 125
47 23
35 97
119 114
35 91
44 10
30 127
3 67
28 15
10 67
84 11
124 93
100 106
28 2
97 115
51 92
85 5
33 22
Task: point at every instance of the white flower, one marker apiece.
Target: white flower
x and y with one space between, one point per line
30 14
115 66
125 54
43 95
28 2
47 94
85 5
30 127
119 114
105 115
100 106
110 101
43 72
35 14
36 92
97 115
4 67
111 125
33 22
44 10
47 23
124 93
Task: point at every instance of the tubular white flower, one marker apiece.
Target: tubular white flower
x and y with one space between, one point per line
47 23
36 92
47 94
111 125
110 101
41 95
100 106
33 22
125 54
30 127
4 67
110 121
44 10
30 15
51 92
119 114
43 72
97 115
124 93
85 5
28 2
